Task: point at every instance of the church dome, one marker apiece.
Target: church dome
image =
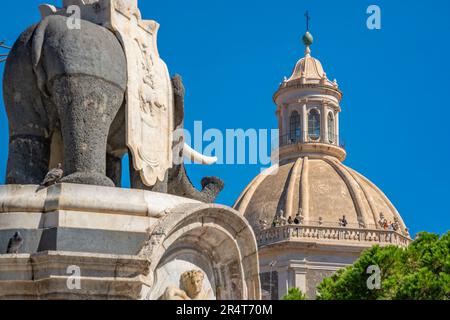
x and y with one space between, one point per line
312 187
321 191
310 196
313 215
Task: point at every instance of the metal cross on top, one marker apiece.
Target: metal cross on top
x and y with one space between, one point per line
307 20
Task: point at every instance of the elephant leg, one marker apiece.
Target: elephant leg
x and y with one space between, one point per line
86 106
114 169
28 159
116 147
178 182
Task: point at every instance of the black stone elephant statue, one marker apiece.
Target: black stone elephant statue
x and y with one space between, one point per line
64 96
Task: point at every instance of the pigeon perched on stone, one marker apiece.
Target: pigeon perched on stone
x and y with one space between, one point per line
53 176
15 243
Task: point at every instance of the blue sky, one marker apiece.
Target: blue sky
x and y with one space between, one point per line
233 54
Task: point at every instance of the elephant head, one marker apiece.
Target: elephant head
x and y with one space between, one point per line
177 181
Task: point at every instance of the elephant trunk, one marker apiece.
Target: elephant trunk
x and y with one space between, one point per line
211 187
180 184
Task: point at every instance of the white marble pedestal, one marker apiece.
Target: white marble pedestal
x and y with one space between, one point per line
127 244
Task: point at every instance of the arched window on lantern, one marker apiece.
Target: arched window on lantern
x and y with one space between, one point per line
314 125
331 131
294 127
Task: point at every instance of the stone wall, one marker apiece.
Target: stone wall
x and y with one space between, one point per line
269 285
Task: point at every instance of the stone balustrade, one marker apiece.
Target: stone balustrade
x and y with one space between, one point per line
331 234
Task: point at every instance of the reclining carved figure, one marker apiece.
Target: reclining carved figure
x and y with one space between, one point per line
191 288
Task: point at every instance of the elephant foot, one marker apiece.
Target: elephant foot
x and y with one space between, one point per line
90 178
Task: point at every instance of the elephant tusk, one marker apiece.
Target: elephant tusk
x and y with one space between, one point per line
197 157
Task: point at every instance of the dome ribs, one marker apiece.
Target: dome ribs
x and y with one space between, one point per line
386 200
293 182
368 196
304 189
281 206
247 194
352 187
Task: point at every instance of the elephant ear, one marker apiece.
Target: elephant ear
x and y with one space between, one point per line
178 122
36 55
178 92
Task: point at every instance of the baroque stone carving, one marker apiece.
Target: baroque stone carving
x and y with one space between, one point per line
86 106
149 97
191 288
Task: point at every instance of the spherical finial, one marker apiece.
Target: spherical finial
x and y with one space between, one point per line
308 39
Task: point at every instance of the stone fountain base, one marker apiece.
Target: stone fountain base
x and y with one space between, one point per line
89 242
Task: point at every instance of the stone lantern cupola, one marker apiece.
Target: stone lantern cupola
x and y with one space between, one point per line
308 107
312 214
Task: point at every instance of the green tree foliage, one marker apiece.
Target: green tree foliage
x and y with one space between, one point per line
419 272
294 294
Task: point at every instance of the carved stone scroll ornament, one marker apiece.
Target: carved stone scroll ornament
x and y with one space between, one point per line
149 97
